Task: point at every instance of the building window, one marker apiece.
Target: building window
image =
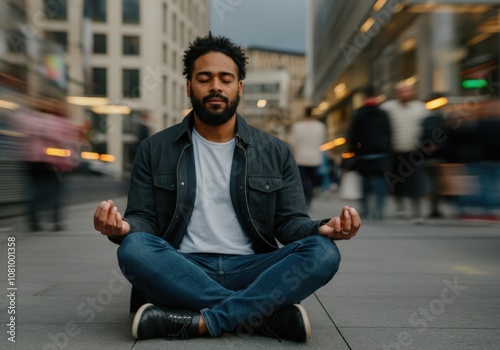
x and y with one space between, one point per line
165 53
56 9
100 43
60 38
99 82
165 18
174 28
16 42
130 11
174 95
165 120
182 34
131 86
164 90
97 10
17 13
131 45
174 60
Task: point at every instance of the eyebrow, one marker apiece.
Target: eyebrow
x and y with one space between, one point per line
210 73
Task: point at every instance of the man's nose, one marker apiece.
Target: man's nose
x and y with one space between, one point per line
216 85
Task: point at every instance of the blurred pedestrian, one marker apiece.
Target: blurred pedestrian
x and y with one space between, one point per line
433 143
406 179
370 138
209 200
48 144
306 137
473 145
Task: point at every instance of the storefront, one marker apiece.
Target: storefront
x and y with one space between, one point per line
450 49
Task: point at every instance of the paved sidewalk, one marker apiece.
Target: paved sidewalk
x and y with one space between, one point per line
400 286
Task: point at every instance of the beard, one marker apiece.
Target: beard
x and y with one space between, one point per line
214 116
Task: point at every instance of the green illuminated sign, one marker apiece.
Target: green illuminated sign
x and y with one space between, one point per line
474 83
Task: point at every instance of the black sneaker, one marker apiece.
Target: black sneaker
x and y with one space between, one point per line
291 322
152 321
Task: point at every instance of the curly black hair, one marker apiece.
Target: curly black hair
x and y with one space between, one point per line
203 45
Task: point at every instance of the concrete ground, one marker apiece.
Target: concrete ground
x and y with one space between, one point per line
400 286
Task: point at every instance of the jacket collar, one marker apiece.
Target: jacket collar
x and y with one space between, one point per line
242 129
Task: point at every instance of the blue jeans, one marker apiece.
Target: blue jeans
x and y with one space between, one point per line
230 291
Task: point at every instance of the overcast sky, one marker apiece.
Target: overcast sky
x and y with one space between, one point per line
274 24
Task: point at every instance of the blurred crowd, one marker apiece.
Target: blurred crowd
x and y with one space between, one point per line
412 151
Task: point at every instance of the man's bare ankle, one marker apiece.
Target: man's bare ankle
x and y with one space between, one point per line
202 326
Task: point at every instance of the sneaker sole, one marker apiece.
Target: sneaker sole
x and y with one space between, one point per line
307 322
137 318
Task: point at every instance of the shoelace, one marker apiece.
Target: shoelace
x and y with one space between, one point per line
175 321
271 332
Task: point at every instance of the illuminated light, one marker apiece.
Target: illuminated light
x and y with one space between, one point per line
437 103
261 103
339 89
474 83
408 45
57 152
367 25
378 5
107 158
316 111
329 145
411 81
89 155
323 106
432 7
111 109
399 7
8 105
478 38
87 101
347 155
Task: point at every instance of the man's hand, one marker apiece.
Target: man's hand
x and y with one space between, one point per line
344 226
109 221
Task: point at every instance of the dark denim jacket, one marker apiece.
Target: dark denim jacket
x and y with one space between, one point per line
265 187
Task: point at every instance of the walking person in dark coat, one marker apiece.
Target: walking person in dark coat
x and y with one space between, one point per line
370 139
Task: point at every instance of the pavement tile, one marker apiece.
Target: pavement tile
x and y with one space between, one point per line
380 311
421 339
71 336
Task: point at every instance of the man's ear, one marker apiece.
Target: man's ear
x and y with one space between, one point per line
188 88
240 87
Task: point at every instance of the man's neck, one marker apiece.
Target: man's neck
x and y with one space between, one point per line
219 133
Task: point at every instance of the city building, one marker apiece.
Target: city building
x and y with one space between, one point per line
447 47
273 89
104 63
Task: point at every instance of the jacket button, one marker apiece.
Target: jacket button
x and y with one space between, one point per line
266 187
241 187
182 183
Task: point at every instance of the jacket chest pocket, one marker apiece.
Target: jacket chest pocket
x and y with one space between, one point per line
165 182
262 192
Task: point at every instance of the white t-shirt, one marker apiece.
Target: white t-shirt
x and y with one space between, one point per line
406 123
305 138
213 227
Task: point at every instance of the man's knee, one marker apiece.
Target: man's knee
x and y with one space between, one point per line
132 246
325 253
